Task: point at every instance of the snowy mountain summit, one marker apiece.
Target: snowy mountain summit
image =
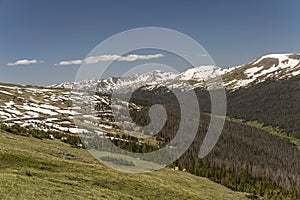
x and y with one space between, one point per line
273 66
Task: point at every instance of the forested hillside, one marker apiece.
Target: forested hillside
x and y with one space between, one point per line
246 158
272 102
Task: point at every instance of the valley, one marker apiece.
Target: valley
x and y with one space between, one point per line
257 153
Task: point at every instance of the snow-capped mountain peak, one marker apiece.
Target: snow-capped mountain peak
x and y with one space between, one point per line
201 73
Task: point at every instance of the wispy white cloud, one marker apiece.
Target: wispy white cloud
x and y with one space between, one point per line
96 59
70 62
24 62
139 57
101 58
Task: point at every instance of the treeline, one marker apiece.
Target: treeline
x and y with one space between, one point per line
72 139
126 142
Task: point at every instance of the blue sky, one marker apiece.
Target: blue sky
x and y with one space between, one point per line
233 31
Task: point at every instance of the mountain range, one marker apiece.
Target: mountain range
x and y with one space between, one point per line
275 66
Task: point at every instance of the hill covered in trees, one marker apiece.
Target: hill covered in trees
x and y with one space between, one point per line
246 158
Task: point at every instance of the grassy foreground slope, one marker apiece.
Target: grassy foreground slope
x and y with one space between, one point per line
49 169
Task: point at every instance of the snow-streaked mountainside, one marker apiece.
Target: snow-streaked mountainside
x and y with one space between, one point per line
277 66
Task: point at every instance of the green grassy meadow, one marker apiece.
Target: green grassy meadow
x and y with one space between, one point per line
31 168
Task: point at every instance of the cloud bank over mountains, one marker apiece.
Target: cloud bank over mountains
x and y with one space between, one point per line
90 59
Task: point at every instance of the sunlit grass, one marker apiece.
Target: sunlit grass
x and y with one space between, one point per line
49 169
